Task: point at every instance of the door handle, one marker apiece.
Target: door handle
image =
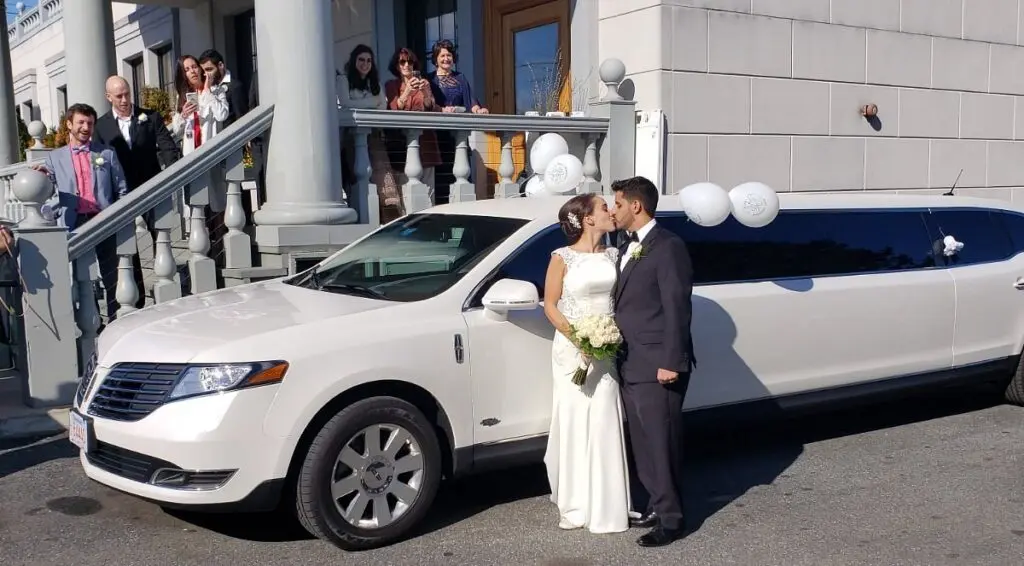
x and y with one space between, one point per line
1019 283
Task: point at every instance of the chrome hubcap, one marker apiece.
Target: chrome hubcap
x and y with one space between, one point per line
377 476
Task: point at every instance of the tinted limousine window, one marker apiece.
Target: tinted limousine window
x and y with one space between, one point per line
985 237
802 244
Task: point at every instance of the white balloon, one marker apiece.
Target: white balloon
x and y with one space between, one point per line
754 204
535 187
705 204
564 174
546 148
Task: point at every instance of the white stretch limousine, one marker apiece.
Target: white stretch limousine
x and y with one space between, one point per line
350 390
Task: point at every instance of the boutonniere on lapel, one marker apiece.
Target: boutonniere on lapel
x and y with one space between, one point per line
142 118
637 254
98 161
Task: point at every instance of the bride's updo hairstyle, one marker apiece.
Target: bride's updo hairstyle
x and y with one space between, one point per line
572 213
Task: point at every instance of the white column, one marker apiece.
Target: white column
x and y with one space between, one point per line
8 113
296 40
89 51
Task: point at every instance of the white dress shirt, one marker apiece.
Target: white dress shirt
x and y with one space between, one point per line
640 234
125 125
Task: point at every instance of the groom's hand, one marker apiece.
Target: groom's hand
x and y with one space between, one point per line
667 376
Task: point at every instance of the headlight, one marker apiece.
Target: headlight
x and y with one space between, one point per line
199 380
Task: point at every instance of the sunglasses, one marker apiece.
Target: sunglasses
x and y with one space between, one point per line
404 62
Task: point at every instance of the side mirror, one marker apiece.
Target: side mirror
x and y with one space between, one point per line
511 295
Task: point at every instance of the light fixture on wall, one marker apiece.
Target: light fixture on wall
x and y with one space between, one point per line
869 110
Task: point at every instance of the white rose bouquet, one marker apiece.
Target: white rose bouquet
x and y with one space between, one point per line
598 338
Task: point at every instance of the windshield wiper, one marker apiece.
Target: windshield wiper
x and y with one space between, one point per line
354 289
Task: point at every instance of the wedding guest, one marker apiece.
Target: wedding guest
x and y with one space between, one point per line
359 87
237 96
409 91
143 144
88 178
452 93
202 108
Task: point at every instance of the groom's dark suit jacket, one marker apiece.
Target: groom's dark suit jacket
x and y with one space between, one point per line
653 308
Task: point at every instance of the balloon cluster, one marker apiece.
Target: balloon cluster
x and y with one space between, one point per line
559 172
752 204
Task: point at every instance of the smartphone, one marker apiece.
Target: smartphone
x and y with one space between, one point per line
192 98
416 74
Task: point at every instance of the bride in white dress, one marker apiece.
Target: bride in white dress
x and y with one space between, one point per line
586 452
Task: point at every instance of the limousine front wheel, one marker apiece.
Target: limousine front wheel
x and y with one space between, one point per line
370 474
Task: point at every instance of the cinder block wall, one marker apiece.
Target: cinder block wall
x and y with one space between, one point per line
770 90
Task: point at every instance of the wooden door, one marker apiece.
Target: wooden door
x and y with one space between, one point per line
527 67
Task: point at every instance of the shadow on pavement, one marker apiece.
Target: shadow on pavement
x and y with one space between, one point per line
723 461
23 453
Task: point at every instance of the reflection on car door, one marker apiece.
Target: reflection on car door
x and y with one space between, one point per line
510 360
817 299
985 273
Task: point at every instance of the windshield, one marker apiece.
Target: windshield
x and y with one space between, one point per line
414 258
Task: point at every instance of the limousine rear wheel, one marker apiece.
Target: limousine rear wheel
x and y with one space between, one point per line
370 474
1015 390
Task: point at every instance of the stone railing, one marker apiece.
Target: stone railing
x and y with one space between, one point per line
28 21
607 130
60 306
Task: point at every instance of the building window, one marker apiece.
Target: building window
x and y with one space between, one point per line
25 111
426 23
62 99
137 76
165 68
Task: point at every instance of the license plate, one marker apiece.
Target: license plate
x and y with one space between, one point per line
80 431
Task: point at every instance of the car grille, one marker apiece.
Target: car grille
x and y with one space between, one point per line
130 391
83 386
125 463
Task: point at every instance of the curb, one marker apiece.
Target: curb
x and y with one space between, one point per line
52 421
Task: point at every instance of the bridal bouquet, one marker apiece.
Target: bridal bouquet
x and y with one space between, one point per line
598 338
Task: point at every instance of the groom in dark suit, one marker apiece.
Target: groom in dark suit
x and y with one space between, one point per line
652 309
144 147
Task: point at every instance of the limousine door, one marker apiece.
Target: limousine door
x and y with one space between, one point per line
815 300
989 279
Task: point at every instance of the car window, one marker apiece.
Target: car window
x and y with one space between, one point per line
530 262
1013 222
414 258
984 237
806 244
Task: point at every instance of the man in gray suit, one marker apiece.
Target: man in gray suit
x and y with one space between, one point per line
88 178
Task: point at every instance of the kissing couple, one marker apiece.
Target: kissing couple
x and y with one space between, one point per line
646 285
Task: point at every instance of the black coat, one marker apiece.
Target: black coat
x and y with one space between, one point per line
152 146
653 308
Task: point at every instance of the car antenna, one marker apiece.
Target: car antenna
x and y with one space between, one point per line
953 188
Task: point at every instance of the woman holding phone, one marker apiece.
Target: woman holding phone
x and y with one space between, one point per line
411 92
201 111
202 106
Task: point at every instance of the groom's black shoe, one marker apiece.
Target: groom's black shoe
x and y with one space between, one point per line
661 536
646 521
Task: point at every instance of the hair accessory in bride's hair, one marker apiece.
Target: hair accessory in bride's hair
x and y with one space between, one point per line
573 221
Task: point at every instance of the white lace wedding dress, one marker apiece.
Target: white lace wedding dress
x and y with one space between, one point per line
586 452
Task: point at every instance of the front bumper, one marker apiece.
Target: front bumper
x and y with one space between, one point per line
218 432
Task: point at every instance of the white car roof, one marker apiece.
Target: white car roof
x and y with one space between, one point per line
536 208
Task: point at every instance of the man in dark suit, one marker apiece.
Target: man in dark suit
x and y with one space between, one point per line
144 147
653 311
238 96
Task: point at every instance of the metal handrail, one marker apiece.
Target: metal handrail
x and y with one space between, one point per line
390 119
187 169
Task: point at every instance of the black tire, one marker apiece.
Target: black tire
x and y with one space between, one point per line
1015 390
315 505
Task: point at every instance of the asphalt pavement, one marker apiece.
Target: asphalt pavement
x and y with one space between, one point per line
929 481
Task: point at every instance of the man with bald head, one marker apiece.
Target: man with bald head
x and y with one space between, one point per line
143 144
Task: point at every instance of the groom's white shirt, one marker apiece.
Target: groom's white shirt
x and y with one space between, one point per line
640 234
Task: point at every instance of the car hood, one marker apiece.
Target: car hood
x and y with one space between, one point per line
179 330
